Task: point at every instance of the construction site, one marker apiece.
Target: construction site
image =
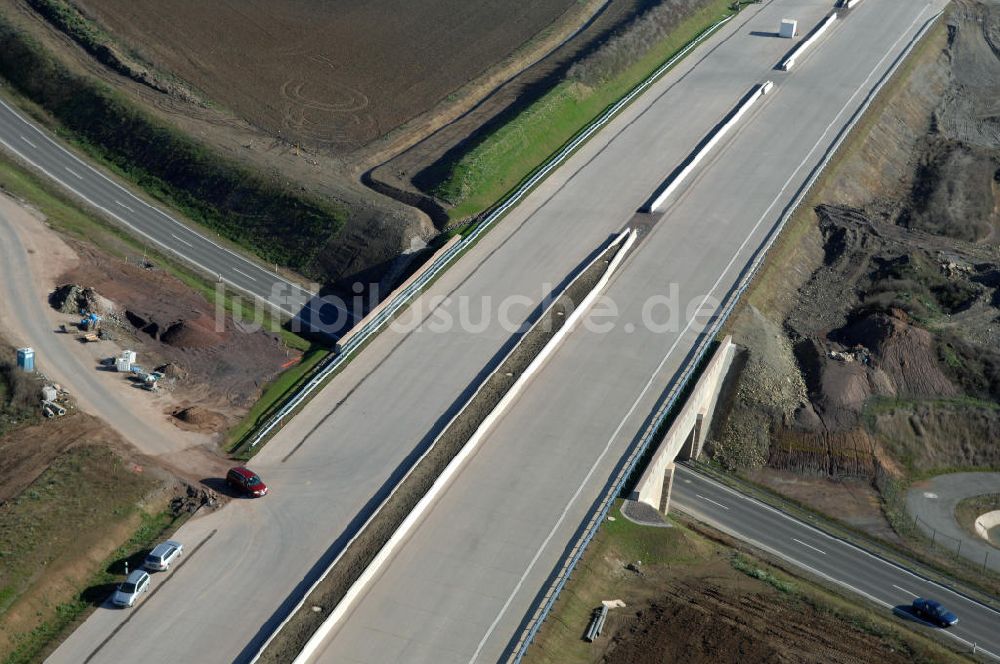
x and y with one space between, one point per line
111 418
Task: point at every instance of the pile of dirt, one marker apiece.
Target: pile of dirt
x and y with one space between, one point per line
197 333
192 500
211 360
905 353
171 371
770 390
196 418
73 298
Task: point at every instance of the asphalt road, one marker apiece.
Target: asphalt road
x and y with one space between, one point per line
882 582
933 504
460 588
26 140
250 561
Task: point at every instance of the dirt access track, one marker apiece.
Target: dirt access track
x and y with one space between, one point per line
336 73
222 373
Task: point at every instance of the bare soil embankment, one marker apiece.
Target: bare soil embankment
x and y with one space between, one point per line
693 596
871 336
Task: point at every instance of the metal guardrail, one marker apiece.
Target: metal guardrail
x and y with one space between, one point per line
547 601
408 294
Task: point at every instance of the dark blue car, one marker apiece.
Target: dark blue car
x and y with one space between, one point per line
932 611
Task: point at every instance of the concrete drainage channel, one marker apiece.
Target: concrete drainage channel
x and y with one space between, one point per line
304 631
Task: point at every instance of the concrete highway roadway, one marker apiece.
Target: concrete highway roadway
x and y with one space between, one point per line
247 563
461 586
882 582
26 140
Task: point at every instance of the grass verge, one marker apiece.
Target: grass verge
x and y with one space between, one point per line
48 534
508 156
275 395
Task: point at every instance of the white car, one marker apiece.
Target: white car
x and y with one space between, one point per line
161 557
130 589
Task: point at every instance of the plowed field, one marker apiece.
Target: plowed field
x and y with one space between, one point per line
339 72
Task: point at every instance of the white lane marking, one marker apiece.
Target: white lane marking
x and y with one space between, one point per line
73 173
809 545
905 591
712 501
125 222
118 202
29 142
128 193
843 542
180 239
652 378
244 274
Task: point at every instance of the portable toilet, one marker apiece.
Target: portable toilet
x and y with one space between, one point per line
788 28
26 359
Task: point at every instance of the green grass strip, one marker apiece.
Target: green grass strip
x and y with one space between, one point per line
509 155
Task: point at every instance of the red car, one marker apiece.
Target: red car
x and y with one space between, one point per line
246 481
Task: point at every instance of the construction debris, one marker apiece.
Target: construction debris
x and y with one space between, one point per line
50 395
597 620
193 500
52 409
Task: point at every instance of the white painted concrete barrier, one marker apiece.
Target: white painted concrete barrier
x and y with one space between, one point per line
756 93
688 429
626 240
987 522
849 4
806 43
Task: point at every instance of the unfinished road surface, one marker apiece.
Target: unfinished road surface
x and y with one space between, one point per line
336 459
461 587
